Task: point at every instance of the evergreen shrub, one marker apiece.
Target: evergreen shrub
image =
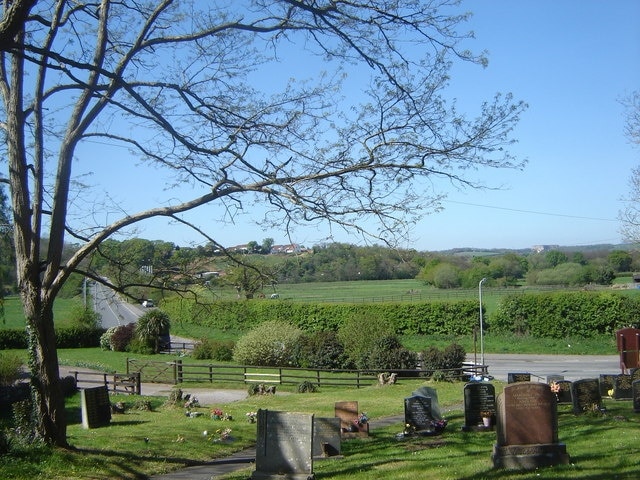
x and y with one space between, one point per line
268 344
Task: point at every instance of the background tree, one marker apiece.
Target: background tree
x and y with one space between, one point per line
180 84
630 216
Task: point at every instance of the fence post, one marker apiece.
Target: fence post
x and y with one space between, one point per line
318 377
357 378
210 373
106 381
179 365
127 365
138 383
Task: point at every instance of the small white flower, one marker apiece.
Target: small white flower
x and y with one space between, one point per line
205 433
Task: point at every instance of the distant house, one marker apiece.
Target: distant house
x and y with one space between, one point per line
544 248
291 249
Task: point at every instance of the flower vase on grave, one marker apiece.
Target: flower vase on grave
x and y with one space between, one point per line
486 421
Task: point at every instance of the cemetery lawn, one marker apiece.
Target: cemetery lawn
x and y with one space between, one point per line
140 443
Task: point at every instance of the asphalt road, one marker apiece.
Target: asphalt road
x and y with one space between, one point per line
113 310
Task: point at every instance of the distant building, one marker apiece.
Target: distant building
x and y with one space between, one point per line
544 248
291 249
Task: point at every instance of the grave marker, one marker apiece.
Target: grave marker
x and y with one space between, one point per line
518 377
348 413
622 387
527 428
606 381
326 437
564 391
479 397
284 446
417 412
96 407
585 395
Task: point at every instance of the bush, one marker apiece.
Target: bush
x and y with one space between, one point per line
13 339
307 387
207 349
141 346
451 357
105 339
151 326
78 337
269 344
10 368
359 336
319 350
122 336
388 354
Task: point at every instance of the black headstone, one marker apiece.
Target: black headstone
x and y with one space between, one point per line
606 382
417 412
585 395
635 386
96 407
622 388
518 377
479 398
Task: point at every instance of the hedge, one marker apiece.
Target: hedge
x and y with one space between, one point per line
558 315
421 318
73 337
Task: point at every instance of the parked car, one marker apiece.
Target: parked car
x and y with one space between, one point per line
148 303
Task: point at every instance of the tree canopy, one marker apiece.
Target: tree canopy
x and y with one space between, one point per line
180 85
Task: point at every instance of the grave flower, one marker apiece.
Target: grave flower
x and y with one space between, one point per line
216 414
251 417
221 435
362 419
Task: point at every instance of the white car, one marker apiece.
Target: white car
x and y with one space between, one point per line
148 304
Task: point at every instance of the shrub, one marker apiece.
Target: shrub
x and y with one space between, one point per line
387 353
13 338
105 339
319 350
10 368
85 317
451 357
207 349
121 337
307 387
359 335
151 326
141 346
269 344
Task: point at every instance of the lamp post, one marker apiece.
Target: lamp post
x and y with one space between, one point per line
481 322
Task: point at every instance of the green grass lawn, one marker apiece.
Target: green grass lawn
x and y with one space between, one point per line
600 447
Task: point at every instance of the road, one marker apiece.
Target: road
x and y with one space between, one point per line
573 367
113 309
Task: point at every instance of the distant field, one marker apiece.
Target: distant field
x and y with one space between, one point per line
14 317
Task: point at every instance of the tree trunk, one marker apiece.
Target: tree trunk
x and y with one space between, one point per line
48 400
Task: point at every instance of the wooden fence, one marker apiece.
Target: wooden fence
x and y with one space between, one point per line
115 382
177 372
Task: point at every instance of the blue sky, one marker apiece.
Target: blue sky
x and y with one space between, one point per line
571 61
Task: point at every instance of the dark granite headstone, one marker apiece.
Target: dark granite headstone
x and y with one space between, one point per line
635 374
518 377
284 446
326 437
622 388
348 414
635 387
96 407
527 428
554 378
479 398
585 394
606 382
564 393
417 412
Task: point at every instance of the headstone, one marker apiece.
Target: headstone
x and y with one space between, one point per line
96 407
348 414
606 383
564 391
585 395
417 412
635 374
527 428
622 388
479 398
635 387
326 437
554 378
518 377
284 446
432 393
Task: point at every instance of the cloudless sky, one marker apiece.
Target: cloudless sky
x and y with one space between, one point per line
572 61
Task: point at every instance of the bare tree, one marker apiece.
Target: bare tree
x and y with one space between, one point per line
178 83
630 216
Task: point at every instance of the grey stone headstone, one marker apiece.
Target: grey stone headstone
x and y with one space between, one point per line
622 388
96 407
585 395
431 393
478 397
284 446
417 412
327 441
